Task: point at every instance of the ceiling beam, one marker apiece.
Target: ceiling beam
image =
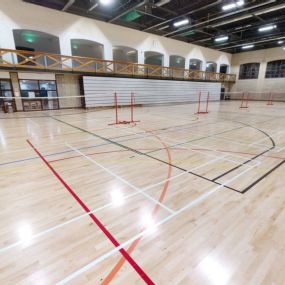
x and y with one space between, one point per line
234 31
254 41
68 5
205 23
127 11
183 15
148 14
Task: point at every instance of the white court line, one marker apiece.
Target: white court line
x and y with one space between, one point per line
197 151
267 138
217 151
34 123
51 229
145 232
120 178
280 149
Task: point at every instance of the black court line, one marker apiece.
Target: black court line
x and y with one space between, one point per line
117 137
263 176
175 166
260 154
144 154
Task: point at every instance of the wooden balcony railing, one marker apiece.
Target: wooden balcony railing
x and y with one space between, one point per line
47 61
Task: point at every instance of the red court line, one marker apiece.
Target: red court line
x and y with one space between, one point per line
132 247
124 253
107 152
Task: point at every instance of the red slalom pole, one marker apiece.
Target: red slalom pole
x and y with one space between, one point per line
241 106
244 99
247 98
270 99
132 107
116 107
199 102
207 103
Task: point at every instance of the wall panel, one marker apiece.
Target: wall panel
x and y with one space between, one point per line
99 91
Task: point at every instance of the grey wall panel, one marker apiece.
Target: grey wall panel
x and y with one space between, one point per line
99 91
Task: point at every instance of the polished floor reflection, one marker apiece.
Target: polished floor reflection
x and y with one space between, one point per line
175 199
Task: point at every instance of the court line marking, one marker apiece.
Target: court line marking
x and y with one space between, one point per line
108 234
145 232
111 275
91 139
147 154
178 142
192 125
119 178
51 229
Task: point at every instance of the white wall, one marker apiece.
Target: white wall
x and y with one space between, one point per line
16 14
261 84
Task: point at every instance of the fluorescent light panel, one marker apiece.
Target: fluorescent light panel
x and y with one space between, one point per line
247 46
233 5
106 2
267 28
181 23
221 39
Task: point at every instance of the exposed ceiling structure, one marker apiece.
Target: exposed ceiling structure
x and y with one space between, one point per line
228 25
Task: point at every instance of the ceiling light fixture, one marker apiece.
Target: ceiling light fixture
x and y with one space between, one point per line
233 5
106 2
221 39
267 28
247 46
280 42
181 23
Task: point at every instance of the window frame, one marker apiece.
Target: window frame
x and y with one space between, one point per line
248 74
39 98
274 69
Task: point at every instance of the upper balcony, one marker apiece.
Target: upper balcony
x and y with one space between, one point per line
28 60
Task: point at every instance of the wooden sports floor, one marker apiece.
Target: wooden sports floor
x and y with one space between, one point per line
175 199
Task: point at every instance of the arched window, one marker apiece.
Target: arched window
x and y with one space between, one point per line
153 58
249 70
30 40
211 66
122 53
275 69
87 48
224 68
176 61
195 64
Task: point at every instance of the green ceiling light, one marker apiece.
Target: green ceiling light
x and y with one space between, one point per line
29 37
131 16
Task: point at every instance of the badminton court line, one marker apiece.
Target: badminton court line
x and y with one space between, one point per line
119 178
51 229
111 238
145 232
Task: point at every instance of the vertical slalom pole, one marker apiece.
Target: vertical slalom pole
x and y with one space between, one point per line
207 103
132 107
270 99
244 100
247 99
116 107
199 102
241 105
